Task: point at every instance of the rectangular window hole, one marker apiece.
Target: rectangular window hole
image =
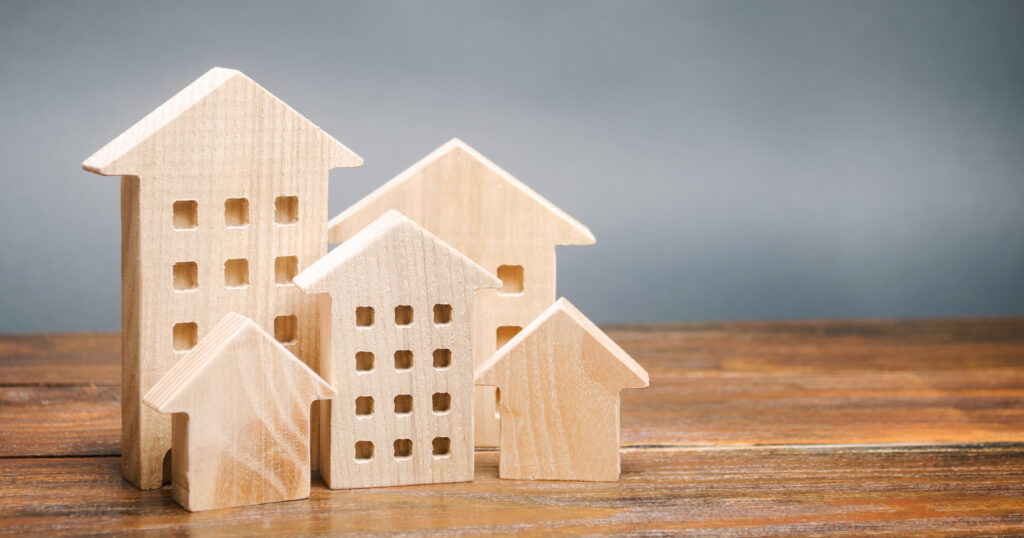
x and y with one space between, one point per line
442 358
364 406
364 361
364 451
403 448
285 269
286 209
505 333
185 336
511 277
186 276
442 314
442 446
236 273
403 359
236 212
364 316
497 403
403 404
442 402
186 215
286 329
403 315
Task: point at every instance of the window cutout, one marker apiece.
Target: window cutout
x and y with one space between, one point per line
442 314
186 276
236 273
364 361
185 336
442 402
403 448
403 315
236 212
442 358
442 446
364 316
364 406
403 404
286 209
186 215
403 359
364 451
286 329
505 333
511 279
285 269
497 403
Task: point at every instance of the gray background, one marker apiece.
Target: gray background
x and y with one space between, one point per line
734 160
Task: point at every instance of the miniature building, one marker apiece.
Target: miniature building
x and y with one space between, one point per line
495 220
560 380
241 406
401 338
223 200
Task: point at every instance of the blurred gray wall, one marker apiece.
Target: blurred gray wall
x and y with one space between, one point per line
735 160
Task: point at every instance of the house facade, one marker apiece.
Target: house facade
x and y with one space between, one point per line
494 219
223 201
399 330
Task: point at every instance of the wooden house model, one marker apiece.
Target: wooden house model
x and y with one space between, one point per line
223 200
399 330
240 403
560 380
494 219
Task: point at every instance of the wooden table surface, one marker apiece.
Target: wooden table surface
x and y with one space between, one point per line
898 427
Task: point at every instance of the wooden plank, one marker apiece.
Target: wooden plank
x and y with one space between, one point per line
60 359
781 490
59 421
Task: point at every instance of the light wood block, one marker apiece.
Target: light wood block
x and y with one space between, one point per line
223 199
400 337
241 405
560 380
473 205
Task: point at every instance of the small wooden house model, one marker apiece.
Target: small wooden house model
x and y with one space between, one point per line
223 200
400 335
560 380
240 404
494 219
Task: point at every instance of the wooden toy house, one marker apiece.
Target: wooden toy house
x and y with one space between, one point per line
560 380
240 404
495 220
400 334
223 200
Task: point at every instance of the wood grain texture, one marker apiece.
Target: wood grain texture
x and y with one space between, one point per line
240 429
223 199
559 381
486 214
398 348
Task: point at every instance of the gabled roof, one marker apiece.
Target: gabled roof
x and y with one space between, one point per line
610 366
393 234
445 158
174 390
114 158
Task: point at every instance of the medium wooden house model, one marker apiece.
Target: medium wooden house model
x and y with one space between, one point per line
494 219
400 334
240 403
223 200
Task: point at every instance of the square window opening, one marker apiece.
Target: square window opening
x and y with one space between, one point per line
511 277
403 315
186 335
442 358
442 402
364 406
286 209
186 276
186 215
505 333
364 316
442 446
286 329
236 212
403 359
236 273
364 361
364 451
403 404
442 314
403 449
285 269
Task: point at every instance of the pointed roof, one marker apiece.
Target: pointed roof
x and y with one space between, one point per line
609 364
443 165
172 393
393 234
115 158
